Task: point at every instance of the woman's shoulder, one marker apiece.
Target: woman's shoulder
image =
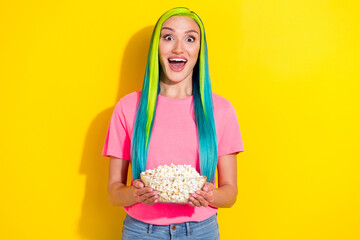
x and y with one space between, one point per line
131 97
224 112
221 102
129 101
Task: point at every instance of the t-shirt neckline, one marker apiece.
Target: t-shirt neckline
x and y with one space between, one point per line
168 99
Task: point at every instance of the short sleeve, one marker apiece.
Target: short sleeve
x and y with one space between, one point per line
117 141
230 139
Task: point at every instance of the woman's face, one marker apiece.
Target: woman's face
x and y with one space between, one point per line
178 48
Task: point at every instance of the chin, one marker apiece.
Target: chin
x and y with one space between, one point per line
176 79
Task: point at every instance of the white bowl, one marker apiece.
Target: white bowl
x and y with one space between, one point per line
173 189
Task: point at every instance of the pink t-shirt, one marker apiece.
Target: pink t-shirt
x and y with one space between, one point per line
173 140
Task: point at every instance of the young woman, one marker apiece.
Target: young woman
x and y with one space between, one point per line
175 118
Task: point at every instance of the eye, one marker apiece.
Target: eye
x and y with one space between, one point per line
167 37
192 39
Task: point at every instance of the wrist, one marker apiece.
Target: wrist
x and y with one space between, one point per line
213 200
133 197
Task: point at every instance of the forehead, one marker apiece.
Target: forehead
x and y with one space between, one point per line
181 23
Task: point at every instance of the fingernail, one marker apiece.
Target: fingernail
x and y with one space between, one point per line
198 192
205 188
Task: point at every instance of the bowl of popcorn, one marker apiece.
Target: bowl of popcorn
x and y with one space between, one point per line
174 183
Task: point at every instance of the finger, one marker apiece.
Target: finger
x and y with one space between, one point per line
208 196
201 200
138 183
151 200
143 197
146 196
138 193
208 187
142 191
195 201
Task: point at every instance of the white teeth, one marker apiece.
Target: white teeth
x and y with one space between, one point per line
177 59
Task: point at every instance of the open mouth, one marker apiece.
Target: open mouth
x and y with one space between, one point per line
177 64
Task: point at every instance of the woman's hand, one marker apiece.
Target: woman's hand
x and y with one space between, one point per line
203 197
143 194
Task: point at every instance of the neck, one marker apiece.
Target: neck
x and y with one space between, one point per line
172 89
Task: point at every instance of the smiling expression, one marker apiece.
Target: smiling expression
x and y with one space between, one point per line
178 49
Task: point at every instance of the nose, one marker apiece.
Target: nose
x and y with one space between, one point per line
178 47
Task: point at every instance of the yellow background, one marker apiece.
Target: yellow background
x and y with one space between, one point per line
290 68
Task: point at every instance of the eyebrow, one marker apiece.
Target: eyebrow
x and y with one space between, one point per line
169 28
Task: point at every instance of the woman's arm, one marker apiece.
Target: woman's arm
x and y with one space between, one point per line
121 195
225 195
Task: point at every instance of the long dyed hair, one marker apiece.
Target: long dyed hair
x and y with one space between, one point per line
202 99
